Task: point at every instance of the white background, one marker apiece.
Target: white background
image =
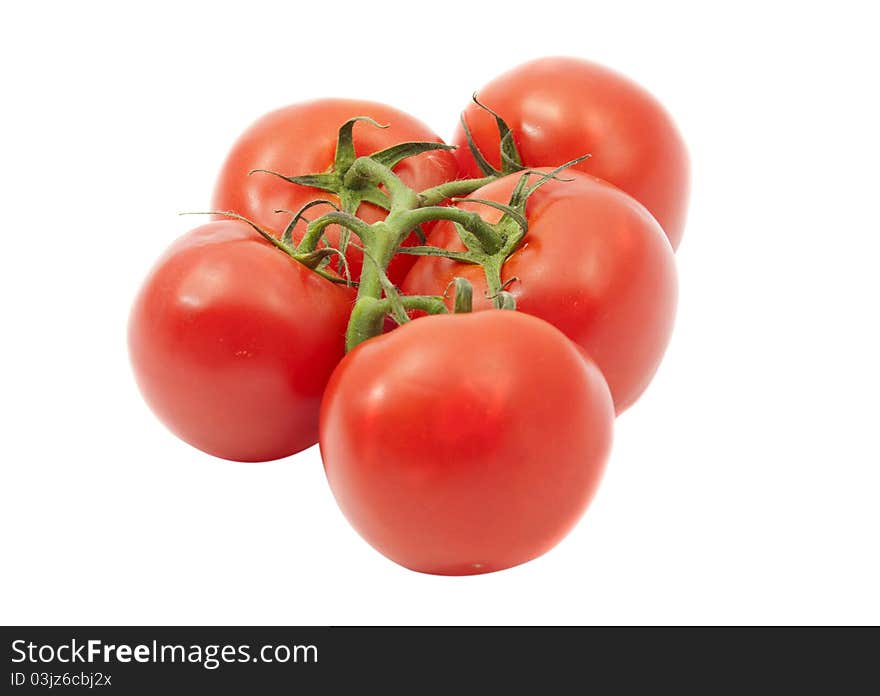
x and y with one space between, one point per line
743 487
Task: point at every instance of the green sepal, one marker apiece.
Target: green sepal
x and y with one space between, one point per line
468 239
394 155
504 300
481 161
464 295
269 237
318 259
523 189
510 159
461 256
519 194
264 233
508 210
326 182
509 152
287 235
553 174
345 155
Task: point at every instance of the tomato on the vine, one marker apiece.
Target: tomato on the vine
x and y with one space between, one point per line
562 108
465 443
232 343
301 139
594 263
461 442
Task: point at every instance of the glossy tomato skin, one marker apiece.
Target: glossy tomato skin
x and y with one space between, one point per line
301 139
594 263
465 444
562 108
232 343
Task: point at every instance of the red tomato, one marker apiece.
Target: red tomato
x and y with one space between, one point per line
232 343
301 139
594 263
562 108
467 443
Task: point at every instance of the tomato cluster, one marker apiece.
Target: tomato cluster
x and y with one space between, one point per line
457 326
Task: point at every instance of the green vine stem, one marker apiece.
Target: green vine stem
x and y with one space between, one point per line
315 229
368 316
381 240
486 235
372 179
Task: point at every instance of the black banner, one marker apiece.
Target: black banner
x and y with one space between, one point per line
151 660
